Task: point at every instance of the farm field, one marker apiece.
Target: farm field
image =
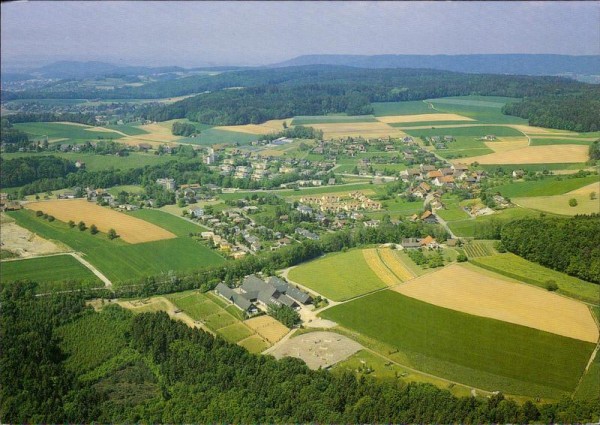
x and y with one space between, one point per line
535 155
176 225
545 187
57 272
570 168
518 268
332 119
100 162
379 267
396 264
268 127
267 327
130 229
118 260
338 276
465 288
468 349
214 136
485 109
401 108
421 118
66 132
478 227
355 129
559 204
472 131
22 243
539 141
481 248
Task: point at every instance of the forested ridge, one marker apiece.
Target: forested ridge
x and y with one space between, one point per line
570 245
257 95
161 371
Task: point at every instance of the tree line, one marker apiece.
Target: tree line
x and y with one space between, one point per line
569 245
162 371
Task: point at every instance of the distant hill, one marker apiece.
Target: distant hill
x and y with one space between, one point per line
522 64
80 70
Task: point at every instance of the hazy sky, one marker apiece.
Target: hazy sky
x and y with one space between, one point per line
251 33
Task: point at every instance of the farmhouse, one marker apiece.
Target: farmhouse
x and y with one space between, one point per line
255 289
235 298
411 243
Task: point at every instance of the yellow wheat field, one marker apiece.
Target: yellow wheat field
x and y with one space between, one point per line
480 293
370 130
379 268
507 144
268 127
586 190
550 154
267 327
130 229
392 261
394 119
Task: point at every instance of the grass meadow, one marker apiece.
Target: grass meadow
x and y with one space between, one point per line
331 119
546 187
518 268
338 276
118 260
72 133
381 109
482 352
58 272
470 132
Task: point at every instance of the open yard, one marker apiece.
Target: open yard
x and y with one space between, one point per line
130 229
58 272
479 351
118 260
469 290
518 268
338 276
318 349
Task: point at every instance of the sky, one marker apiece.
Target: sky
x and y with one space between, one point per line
256 33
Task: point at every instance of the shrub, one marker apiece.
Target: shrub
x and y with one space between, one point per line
81 226
51 218
71 224
572 202
461 258
39 213
112 234
551 285
93 229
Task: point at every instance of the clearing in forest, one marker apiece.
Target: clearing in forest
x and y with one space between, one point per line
468 290
132 230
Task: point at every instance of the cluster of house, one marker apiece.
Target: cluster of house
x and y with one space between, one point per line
355 201
450 176
417 243
256 294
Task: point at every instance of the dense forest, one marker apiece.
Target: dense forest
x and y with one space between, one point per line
21 171
156 370
576 112
11 135
88 119
570 245
183 129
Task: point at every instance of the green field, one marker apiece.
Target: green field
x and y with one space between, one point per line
120 261
214 136
534 167
173 224
431 124
331 119
338 276
518 268
58 272
382 109
472 132
568 141
481 248
485 109
474 227
129 129
546 187
485 353
73 133
452 210
95 162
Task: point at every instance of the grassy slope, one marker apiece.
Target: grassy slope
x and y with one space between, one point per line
546 187
537 275
120 261
338 276
508 355
49 272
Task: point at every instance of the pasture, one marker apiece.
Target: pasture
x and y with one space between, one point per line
332 119
474 291
541 141
518 268
545 187
401 108
58 272
118 260
213 136
485 109
471 131
478 227
472 350
559 204
421 118
338 276
130 229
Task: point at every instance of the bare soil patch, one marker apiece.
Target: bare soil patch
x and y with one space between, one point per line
267 327
131 229
318 349
465 289
24 243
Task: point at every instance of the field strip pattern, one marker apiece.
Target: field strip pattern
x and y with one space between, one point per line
379 268
393 262
465 289
130 229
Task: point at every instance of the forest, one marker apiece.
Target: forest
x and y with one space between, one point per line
157 370
569 245
21 171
